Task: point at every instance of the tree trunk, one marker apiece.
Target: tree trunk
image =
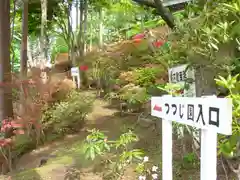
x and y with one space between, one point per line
70 37
23 66
13 25
43 31
77 15
91 33
85 25
80 33
101 16
6 106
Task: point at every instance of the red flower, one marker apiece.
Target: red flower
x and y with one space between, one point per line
83 68
16 125
158 43
139 36
137 40
8 125
4 122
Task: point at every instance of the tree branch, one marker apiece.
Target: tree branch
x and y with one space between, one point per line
165 14
146 3
161 10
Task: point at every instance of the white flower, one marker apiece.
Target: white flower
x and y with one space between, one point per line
145 159
142 178
154 176
154 168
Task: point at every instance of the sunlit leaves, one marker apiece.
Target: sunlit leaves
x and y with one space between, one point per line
228 83
228 145
97 144
126 139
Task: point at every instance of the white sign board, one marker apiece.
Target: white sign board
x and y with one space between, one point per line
75 71
181 75
76 76
213 115
204 113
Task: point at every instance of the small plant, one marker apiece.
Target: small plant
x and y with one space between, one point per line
9 130
97 144
190 159
172 89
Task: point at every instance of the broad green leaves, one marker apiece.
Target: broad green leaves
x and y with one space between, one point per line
229 145
96 144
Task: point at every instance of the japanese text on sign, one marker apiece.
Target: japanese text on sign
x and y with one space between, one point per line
198 112
182 75
178 76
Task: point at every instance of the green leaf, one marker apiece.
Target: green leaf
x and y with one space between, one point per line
107 147
92 153
226 149
214 46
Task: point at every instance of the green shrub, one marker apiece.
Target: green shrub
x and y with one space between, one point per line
23 144
133 94
69 115
146 76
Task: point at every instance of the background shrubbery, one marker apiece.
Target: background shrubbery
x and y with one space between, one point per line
68 115
43 111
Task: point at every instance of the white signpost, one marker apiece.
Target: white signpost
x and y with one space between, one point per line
179 75
183 76
212 115
75 73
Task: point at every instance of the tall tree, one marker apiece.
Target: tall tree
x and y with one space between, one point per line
81 26
6 106
101 28
77 14
43 31
85 25
12 33
24 45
